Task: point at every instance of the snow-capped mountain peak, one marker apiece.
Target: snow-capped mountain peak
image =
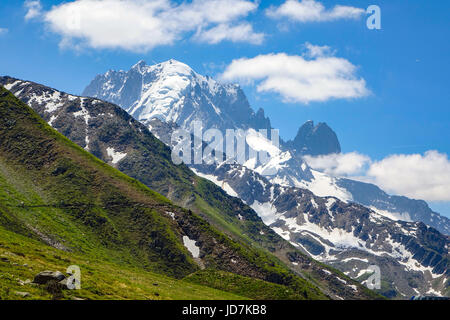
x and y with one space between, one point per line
167 68
173 92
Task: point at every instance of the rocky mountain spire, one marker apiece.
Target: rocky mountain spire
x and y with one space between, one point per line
316 140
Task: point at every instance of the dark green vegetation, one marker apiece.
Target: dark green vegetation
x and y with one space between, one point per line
60 205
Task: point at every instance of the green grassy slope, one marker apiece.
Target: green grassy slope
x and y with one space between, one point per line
100 279
54 192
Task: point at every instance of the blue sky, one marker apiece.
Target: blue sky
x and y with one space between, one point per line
405 66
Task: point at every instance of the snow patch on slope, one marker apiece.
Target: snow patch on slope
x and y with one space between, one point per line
191 246
323 185
392 215
116 156
266 211
9 86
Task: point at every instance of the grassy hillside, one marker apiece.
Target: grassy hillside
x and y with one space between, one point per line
22 258
54 192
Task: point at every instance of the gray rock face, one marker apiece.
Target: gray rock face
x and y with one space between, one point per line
315 140
46 276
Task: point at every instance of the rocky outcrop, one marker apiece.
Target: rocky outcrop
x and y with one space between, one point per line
315 140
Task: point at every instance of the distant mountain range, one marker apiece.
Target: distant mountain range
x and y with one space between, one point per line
173 93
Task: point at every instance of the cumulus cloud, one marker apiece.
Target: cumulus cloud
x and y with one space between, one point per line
141 25
315 76
312 11
340 164
417 176
34 9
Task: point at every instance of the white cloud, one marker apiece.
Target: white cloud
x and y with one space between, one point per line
141 25
34 9
417 176
315 76
241 32
339 164
312 11
314 51
3 31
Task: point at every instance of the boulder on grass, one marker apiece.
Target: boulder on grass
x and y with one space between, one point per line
45 276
